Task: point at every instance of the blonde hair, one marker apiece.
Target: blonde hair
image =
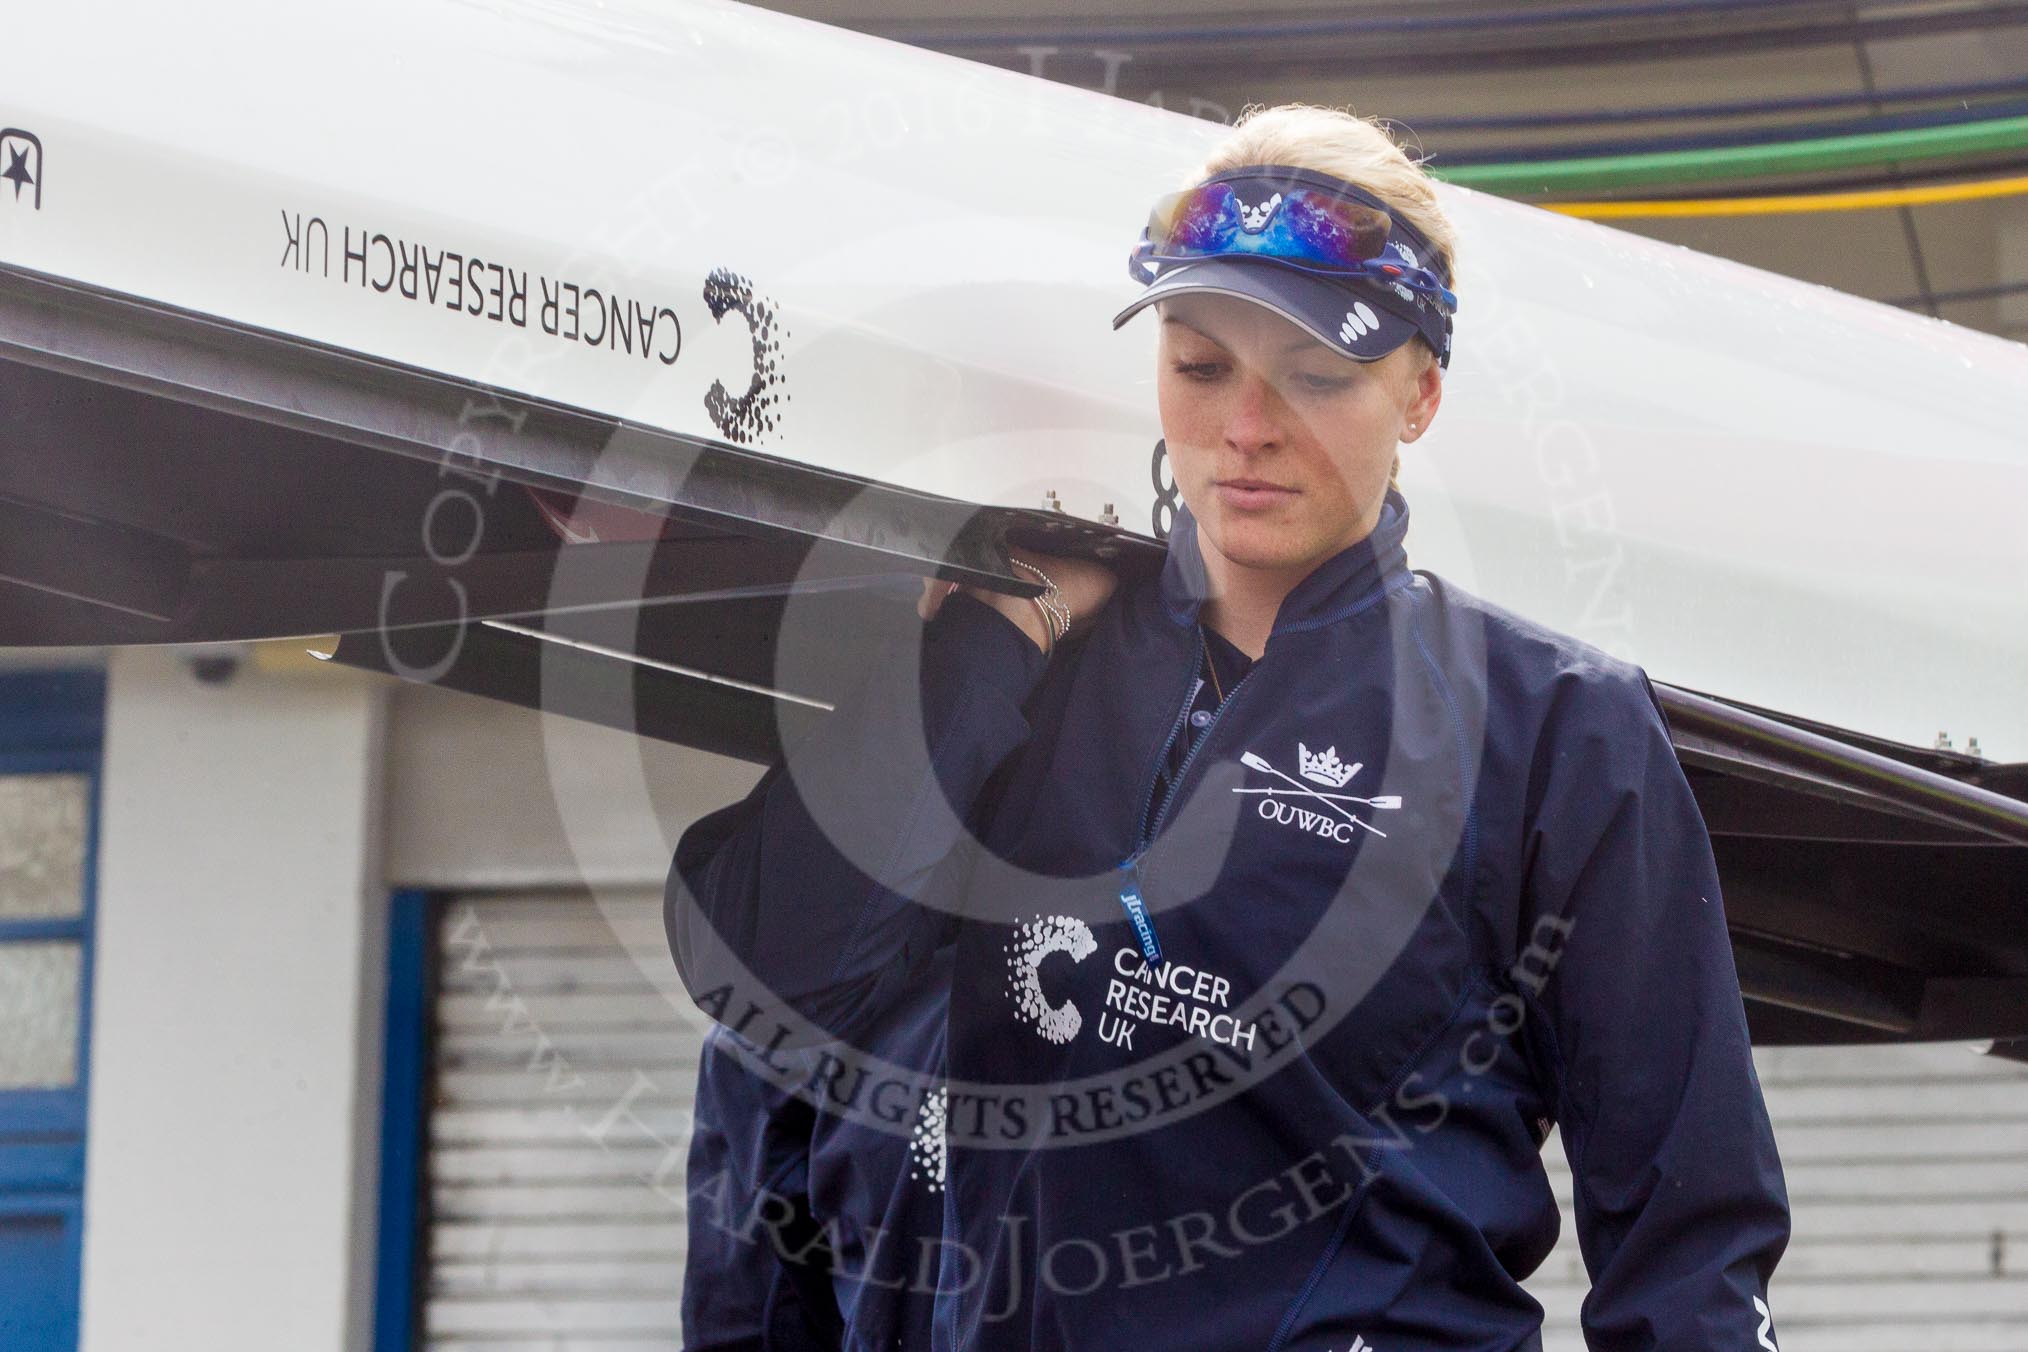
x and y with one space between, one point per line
1338 142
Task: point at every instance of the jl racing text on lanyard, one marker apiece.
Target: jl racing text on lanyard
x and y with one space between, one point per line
1225 667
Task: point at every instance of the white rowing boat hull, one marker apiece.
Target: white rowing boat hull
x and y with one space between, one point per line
1754 486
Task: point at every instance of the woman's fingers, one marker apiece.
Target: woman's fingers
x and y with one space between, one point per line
1086 584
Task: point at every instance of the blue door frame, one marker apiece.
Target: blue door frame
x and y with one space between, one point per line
401 1263
51 722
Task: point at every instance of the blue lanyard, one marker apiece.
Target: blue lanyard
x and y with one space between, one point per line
1200 709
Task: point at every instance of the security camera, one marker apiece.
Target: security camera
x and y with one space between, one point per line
215 663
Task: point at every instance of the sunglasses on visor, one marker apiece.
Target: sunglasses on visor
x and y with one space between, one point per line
1304 220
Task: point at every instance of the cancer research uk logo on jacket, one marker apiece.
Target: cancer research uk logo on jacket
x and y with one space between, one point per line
1194 999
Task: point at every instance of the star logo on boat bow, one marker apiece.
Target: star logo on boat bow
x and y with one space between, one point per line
21 154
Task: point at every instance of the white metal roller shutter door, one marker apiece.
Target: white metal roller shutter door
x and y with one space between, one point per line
564 1064
1908 1178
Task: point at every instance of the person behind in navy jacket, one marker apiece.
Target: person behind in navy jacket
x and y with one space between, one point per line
747 1177
812 1227
1290 896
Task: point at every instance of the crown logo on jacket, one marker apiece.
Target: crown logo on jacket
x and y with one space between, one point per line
1324 767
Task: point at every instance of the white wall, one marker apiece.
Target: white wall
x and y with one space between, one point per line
486 795
250 834
233 1142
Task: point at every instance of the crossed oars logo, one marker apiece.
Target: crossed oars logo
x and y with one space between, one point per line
1386 802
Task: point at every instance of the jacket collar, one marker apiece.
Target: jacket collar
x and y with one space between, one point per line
1341 584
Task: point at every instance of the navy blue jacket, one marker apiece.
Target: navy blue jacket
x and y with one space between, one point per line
816 1180
1276 1074
877 1167
748 1185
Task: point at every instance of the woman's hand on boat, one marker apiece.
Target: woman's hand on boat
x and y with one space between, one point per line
1086 585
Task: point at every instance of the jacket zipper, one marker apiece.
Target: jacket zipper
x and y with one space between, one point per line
1131 900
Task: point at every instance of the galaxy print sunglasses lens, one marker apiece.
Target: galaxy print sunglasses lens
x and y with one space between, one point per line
1298 224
